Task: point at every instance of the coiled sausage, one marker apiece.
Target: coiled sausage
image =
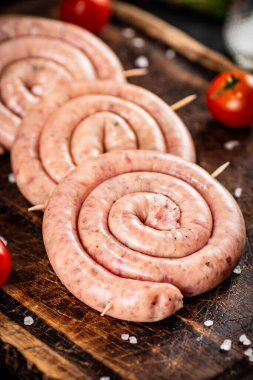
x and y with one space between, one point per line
38 55
85 120
140 229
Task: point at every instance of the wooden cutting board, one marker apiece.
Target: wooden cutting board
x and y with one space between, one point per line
71 341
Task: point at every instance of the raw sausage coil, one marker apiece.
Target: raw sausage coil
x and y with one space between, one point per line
139 230
87 119
37 55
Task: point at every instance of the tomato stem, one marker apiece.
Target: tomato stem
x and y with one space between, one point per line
229 85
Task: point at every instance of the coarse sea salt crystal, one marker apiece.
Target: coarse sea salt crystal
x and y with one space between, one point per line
248 352
105 378
208 323
142 61
128 32
244 340
251 358
28 321
232 144
237 270
226 345
138 42
3 240
124 336
170 54
11 178
238 192
133 340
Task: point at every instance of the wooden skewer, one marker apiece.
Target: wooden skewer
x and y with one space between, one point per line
135 73
220 169
107 308
176 106
40 207
183 102
215 174
172 36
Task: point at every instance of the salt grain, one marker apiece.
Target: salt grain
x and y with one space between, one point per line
238 192
244 340
237 270
142 61
128 32
208 323
170 54
199 338
138 42
124 336
3 240
105 378
226 345
248 352
230 145
11 178
28 321
251 359
132 340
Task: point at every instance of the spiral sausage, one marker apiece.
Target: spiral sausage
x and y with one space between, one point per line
37 55
85 120
140 229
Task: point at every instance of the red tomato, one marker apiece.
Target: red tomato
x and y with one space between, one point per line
90 14
230 98
5 263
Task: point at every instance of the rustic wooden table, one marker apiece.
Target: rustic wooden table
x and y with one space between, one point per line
69 340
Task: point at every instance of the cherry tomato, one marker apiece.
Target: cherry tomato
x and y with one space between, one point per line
5 263
90 14
230 98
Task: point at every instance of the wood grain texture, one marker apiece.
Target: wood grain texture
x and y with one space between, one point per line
36 352
174 37
179 347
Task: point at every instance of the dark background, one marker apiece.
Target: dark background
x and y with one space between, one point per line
206 27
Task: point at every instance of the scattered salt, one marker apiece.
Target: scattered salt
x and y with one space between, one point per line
142 61
238 192
3 240
170 54
199 338
28 321
244 340
251 359
128 32
124 336
105 378
237 270
132 340
226 345
11 178
249 352
208 323
138 42
230 145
